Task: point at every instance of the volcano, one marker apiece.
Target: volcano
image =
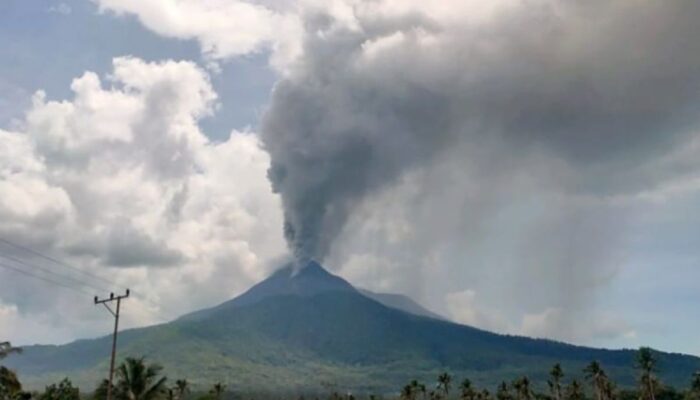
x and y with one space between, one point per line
305 329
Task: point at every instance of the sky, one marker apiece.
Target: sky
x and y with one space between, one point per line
526 166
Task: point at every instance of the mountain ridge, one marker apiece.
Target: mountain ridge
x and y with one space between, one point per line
301 327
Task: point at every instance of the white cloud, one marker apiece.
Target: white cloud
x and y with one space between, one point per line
120 179
463 307
561 324
224 28
61 8
574 326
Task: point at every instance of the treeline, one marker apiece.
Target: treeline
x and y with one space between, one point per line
137 380
596 385
134 380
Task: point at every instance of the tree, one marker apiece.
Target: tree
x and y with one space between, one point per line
101 391
574 391
648 383
468 392
522 389
10 387
694 390
6 349
407 393
483 395
503 392
217 390
410 391
596 375
138 381
556 374
182 388
422 390
444 381
609 391
64 390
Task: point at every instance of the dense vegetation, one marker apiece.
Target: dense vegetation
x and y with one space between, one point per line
138 380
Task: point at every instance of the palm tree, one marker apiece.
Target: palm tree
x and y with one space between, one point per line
503 393
609 390
596 375
407 393
574 391
138 381
217 390
522 388
646 363
484 395
556 373
6 349
422 390
182 387
444 381
468 392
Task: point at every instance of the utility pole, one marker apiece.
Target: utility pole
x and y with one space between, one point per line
104 302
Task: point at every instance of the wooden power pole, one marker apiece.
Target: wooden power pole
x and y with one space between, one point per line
104 302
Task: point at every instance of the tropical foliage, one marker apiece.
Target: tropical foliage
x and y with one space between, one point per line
648 383
138 380
10 387
135 381
64 390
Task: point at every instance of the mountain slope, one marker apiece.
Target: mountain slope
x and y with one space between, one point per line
301 330
401 302
290 280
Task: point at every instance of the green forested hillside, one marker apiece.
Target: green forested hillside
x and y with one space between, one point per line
307 340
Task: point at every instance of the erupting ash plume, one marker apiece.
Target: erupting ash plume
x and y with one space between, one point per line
380 90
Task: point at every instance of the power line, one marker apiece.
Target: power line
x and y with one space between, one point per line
56 274
45 279
63 264
157 312
59 262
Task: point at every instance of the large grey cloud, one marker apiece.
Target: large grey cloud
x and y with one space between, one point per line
424 149
602 89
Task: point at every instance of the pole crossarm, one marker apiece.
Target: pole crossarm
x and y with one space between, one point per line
104 302
111 298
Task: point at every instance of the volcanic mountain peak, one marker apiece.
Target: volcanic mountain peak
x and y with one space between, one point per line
309 280
306 281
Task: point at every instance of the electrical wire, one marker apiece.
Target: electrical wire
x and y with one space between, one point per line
81 283
45 279
59 262
54 273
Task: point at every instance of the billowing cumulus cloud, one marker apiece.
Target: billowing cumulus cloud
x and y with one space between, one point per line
224 28
120 181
